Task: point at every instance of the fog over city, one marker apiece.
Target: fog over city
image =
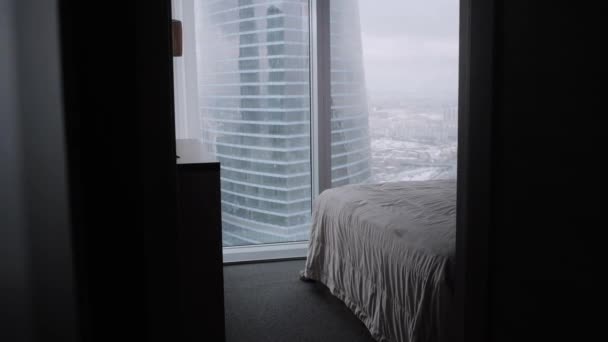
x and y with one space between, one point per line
410 55
410 48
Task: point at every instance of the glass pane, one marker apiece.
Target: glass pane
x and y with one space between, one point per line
394 87
253 113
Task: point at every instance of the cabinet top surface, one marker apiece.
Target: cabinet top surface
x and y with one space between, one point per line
192 151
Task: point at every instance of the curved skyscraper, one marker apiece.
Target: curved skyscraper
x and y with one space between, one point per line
254 98
350 150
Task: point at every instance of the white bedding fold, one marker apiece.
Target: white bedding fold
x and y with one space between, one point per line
387 251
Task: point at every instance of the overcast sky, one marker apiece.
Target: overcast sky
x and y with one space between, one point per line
410 47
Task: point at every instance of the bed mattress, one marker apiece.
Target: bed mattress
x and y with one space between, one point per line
387 251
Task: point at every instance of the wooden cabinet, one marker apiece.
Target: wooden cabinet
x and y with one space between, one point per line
201 283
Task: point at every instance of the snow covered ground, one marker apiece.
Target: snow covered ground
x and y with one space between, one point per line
411 146
394 160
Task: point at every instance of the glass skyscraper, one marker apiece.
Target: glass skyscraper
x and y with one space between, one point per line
350 150
254 99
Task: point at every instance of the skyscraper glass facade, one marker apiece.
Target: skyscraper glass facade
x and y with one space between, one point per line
254 98
350 141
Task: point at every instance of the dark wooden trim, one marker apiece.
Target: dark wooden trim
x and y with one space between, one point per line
177 37
476 101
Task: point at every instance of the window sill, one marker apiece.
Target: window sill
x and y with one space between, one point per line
242 254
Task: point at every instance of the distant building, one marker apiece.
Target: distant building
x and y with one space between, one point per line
350 150
255 112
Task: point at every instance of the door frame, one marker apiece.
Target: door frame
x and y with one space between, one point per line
476 104
473 214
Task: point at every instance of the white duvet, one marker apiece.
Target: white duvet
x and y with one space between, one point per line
387 251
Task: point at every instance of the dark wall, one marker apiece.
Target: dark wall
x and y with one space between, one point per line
545 170
121 162
157 169
14 284
37 275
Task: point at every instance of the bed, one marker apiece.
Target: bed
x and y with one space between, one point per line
387 251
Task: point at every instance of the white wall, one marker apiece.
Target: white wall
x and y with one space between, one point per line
187 119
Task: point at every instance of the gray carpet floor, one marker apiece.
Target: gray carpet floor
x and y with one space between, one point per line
267 302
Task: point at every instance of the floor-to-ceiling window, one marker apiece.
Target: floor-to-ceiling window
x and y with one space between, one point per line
246 86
